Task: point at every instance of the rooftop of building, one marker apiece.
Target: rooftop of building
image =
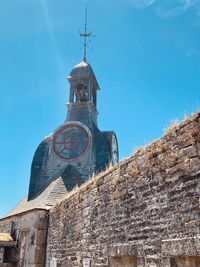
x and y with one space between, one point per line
48 198
83 70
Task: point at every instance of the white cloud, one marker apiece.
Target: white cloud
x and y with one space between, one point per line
179 8
167 8
141 4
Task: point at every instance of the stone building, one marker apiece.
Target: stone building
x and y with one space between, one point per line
74 152
141 212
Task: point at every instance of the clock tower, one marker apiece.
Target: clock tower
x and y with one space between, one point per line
77 149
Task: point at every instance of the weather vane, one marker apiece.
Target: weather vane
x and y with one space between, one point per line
85 35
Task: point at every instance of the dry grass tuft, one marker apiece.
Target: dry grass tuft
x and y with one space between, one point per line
173 126
134 172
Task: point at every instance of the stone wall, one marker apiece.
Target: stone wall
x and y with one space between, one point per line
146 208
29 230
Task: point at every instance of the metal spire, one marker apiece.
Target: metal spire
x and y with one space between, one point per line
85 35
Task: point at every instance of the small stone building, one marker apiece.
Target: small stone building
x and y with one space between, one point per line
84 209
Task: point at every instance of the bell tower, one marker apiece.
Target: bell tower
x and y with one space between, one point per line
77 149
83 94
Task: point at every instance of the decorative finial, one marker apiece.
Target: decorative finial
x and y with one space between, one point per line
85 35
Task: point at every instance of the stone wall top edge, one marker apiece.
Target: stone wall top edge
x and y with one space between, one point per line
138 153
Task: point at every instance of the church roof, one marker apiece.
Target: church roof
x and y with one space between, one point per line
82 70
48 198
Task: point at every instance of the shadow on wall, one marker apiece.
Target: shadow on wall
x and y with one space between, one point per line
71 177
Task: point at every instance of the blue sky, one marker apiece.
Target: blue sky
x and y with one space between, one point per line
146 56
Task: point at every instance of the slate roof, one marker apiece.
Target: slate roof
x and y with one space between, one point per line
47 199
83 70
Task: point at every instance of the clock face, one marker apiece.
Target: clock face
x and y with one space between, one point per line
114 150
70 142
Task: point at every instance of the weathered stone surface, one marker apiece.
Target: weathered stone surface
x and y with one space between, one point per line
29 231
146 207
